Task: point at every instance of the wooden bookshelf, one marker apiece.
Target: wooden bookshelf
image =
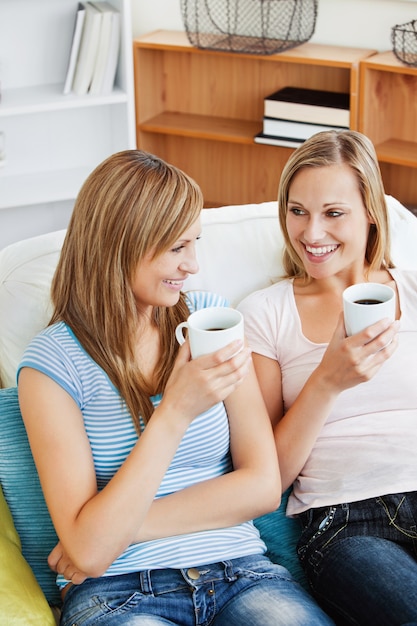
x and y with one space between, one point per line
388 116
200 109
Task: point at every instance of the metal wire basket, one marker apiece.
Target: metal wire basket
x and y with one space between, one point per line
404 41
251 26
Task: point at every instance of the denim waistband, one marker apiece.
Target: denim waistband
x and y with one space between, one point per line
163 580
158 580
308 516
154 581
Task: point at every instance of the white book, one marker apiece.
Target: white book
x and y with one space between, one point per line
108 49
277 141
75 47
294 130
88 50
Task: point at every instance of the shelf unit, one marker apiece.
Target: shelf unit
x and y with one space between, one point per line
52 141
388 116
200 109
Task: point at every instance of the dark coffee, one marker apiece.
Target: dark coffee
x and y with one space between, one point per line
368 301
214 329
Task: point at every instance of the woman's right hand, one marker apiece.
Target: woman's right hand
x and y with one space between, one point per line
349 361
195 385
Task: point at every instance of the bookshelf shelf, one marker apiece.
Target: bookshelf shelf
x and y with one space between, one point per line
201 109
44 98
53 141
202 126
398 151
388 115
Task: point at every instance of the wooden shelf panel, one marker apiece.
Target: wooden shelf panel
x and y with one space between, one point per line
388 62
308 53
387 107
398 152
227 172
202 127
388 116
400 182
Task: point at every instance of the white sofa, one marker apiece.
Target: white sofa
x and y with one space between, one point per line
239 252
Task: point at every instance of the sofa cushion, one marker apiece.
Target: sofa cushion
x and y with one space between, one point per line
281 535
22 602
26 270
23 494
240 250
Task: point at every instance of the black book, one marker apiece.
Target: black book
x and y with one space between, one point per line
309 105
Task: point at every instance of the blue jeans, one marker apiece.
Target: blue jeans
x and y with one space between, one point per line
361 559
250 590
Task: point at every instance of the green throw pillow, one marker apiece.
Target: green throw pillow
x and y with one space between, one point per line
22 602
281 534
23 494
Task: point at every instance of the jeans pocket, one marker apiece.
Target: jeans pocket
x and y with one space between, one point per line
319 531
89 610
263 568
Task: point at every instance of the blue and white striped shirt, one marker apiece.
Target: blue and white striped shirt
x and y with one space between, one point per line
202 454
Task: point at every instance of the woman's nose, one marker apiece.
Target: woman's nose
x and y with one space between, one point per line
190 264
314 230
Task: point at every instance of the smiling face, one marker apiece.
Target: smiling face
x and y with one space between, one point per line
159 279
327 221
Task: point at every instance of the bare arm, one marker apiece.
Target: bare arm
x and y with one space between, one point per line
252 489
348 361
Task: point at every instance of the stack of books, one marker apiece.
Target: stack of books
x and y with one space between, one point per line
293 114
94 50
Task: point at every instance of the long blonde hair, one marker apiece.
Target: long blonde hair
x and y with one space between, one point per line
357 151
131 204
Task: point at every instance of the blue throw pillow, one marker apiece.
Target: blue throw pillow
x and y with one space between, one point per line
23 494
281 534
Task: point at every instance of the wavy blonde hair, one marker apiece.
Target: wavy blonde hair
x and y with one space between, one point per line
131 204
357 151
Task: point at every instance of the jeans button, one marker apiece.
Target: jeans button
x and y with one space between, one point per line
193 573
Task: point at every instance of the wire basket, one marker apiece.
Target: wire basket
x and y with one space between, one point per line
250 26
404 41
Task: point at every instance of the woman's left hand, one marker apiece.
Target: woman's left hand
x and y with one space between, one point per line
195 385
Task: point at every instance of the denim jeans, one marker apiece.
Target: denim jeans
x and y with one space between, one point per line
361 559
246 591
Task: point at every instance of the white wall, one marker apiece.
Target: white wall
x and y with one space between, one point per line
358 23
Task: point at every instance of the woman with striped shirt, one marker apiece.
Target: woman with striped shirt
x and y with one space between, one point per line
152 464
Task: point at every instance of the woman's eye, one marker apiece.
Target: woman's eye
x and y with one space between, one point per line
178 249
334 213
296 211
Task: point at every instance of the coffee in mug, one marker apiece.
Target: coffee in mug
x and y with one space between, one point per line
210 329
367 303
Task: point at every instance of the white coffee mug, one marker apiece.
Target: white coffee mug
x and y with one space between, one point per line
367 303
210 329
